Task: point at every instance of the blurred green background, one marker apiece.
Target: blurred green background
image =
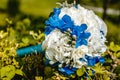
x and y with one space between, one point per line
37 11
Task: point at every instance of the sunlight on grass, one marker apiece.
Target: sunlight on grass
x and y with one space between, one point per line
37 7
113 32
2 19
3 4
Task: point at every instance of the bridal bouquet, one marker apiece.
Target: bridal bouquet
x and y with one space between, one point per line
75 37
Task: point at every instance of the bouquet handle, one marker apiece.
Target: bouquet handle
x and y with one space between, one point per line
29 50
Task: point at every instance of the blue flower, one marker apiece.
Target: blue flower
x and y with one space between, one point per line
93 60
68 23
57 11
54 21
101 60
80 42
76 30
81 35
67 70
48 30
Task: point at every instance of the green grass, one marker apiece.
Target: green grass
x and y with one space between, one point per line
37 7
30 7
113 32
2 19
3 4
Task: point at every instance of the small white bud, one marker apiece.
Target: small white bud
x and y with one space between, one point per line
60 65
68 30
51 62
74 37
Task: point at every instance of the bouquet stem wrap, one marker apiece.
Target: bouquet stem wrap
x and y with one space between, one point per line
28 50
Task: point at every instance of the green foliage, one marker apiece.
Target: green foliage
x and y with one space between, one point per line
38 78
114 47
112 63
9 66
80 71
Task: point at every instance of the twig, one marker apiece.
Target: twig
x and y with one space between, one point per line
117 61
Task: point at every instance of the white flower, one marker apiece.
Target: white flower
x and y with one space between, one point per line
77 54
58 48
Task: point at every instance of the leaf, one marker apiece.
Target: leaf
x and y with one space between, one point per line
8 71
63 78
80 71
38 78
25 40
6 79
26 22
99 69
105 77
90 72
111 45
114 47
19 72
48 71
118 54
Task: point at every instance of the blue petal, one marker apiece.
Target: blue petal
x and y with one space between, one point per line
93 72
73 69
102 32
101 60
82 35
83 42
96 59
87 35
79 31
47 61
80 42
66 19
57 11
83 27
54 20
87 57
61 24
77 44
67 70
74 30
91 62
82 60
48 30
47 22
56 64
65 27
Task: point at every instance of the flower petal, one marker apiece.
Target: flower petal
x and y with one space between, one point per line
66 18
56 10
67 70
